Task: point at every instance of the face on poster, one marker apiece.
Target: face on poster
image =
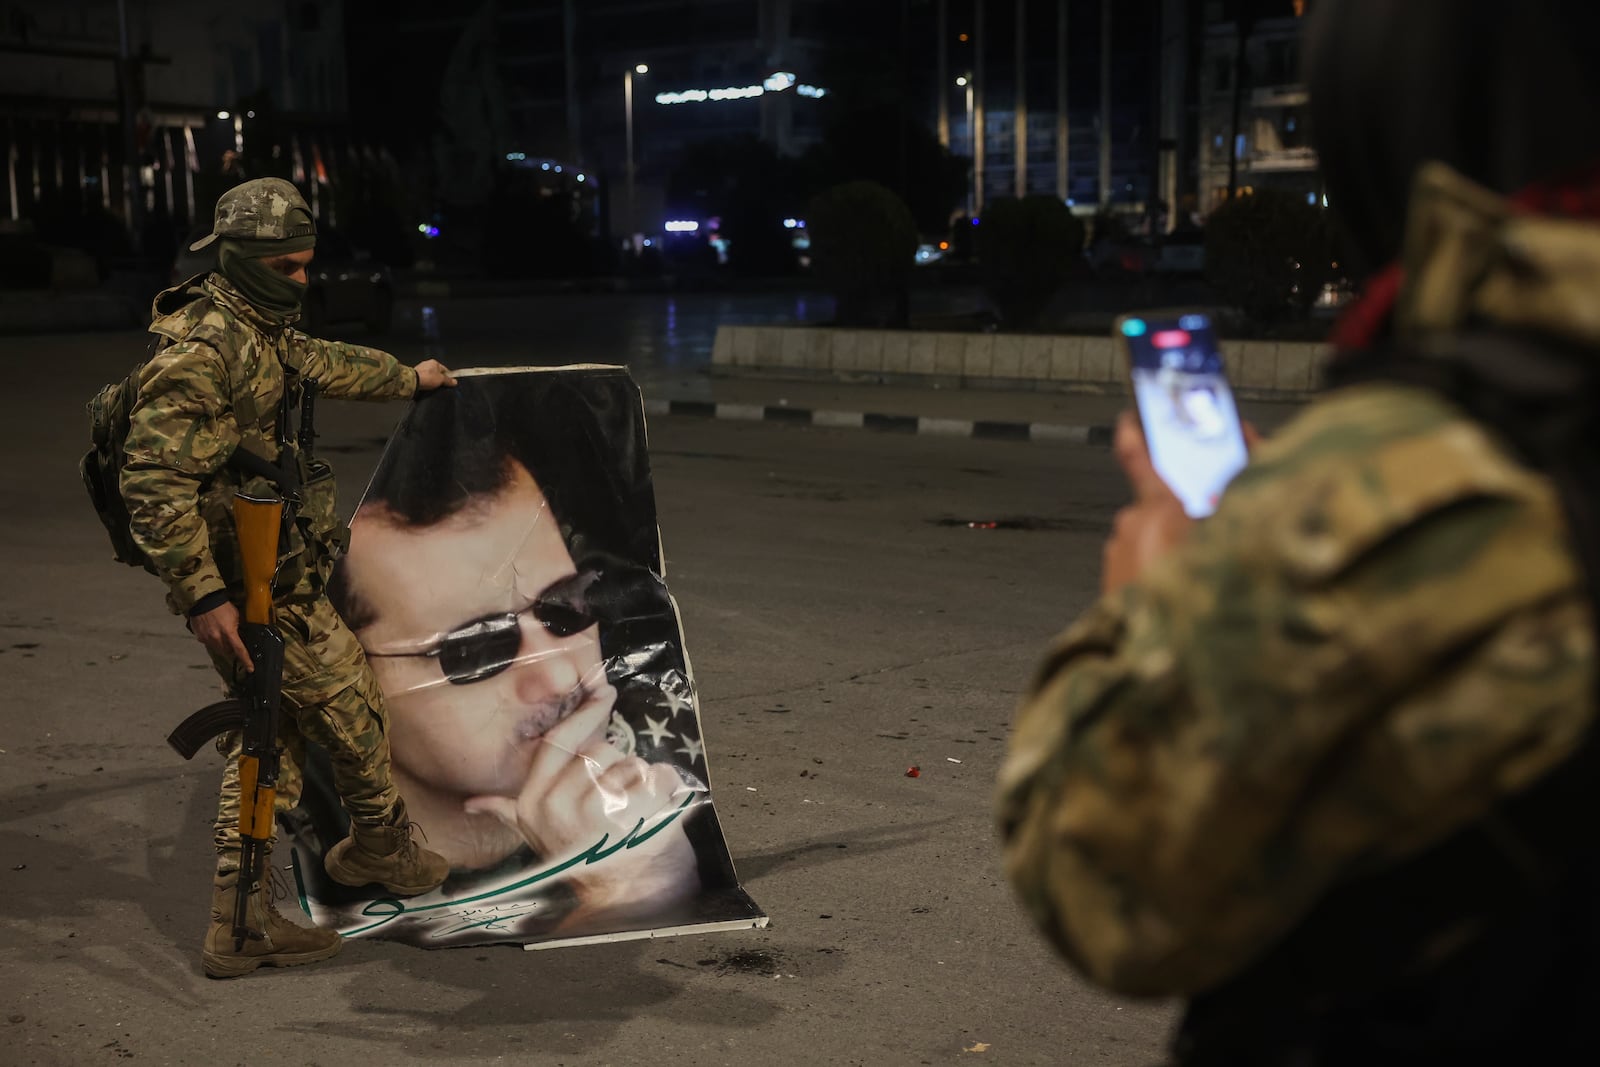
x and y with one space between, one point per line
504 579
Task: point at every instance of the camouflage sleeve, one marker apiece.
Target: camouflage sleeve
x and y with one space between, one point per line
352 372
1378 634
181 430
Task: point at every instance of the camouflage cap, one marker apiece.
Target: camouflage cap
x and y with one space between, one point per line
259 210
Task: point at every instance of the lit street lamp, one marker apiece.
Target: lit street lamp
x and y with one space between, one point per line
627 96
965 81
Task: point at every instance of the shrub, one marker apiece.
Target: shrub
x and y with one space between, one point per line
24 262
863 243
530 236
1269 254
1027 249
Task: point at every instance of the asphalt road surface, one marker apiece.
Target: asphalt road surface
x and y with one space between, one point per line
844 623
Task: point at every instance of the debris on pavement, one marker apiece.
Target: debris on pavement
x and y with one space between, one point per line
951 759
913 771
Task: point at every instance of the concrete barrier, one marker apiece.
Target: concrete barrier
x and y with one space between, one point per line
989 360
45 311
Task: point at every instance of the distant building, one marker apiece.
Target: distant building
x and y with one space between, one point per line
559 70
1132 178
1132 142
61 105
1272 146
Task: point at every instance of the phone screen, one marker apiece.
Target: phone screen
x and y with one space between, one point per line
1191 424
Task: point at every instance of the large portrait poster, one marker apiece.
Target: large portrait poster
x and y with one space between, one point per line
505 578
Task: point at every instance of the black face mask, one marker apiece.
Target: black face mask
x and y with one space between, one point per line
271 293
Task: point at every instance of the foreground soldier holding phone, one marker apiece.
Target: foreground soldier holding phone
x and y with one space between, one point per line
1324 763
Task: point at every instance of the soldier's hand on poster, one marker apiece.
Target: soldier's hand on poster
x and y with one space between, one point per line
431 375
218 630
581 792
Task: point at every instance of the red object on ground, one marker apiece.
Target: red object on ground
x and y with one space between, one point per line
913 772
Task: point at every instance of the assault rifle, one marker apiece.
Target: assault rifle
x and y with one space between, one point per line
262 527
255 713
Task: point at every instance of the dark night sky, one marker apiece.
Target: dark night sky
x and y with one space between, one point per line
399 48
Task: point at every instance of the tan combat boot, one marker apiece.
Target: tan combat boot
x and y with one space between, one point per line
384 853
283 943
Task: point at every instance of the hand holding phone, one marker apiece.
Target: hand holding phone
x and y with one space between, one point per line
1186 407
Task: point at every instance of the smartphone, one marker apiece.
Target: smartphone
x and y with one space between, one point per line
1191 423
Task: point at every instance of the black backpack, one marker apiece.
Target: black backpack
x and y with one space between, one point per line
110 414
101 466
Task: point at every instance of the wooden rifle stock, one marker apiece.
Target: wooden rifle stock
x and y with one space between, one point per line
258 523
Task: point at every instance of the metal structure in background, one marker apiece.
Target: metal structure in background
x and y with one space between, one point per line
1172 102
1019 126
979 40
74 140
965 81
1104 192
627 96
128 103
569 73
943 81
1063 176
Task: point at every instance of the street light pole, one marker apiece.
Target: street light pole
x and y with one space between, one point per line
627 96
1063 175
1020 125
132 179
966 81
944 74
979 41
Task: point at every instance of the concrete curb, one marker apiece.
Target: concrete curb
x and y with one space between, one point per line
1267 370
986 429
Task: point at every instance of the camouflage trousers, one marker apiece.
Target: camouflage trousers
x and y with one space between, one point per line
330 698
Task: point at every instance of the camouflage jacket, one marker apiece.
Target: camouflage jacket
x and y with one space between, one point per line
1380 633
216 383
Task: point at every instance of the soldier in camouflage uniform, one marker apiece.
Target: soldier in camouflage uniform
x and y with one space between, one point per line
1324 763
227 353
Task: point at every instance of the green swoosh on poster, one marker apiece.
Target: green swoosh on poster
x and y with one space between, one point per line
387 909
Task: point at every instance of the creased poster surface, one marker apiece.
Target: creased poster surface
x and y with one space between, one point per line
505 578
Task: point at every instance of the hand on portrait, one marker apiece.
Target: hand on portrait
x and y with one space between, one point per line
431 375
580 791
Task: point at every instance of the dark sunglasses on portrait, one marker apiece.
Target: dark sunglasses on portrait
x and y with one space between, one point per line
486 646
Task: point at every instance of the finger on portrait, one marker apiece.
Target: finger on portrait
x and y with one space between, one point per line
669 782
623 790
566 742
629 774
586 771
502 808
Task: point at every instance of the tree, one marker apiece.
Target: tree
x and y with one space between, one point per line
1269 254
863 241
879 142
1027 249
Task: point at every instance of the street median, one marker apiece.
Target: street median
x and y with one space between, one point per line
1268 370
